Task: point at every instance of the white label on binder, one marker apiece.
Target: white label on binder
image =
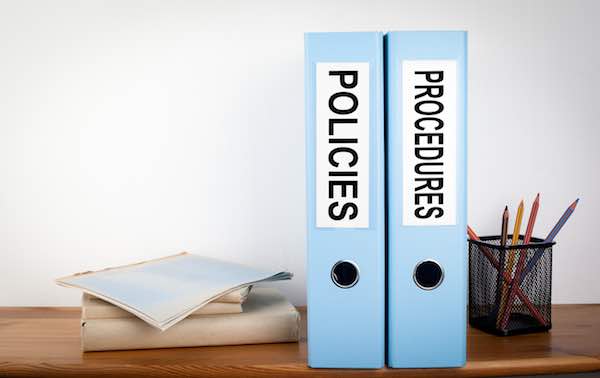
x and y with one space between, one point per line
429 124
342 145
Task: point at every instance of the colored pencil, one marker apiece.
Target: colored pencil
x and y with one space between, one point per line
515 235
550 238
532 216
561 222
504 230
502 255
511 256
490 256
505 315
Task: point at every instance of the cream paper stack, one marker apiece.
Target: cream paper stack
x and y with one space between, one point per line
265 317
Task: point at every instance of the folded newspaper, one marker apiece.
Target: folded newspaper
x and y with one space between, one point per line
166 290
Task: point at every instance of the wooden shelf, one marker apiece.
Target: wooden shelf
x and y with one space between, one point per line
45 342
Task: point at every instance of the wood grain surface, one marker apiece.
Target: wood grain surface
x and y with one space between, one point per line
37 342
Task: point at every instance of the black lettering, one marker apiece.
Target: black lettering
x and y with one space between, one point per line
419 105
349 95
337 150
420 152
420 169
344 185
431 183
342 74
429 90
333 121
429 75
429 197
343 174
343 140
342 214
429 212
429 138
429 146
440 123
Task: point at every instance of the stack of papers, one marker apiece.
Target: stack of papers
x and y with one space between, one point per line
164 291
267 317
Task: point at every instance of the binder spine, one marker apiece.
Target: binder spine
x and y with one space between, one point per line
345 200
426 186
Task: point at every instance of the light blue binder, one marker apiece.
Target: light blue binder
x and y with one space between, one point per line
426 77
345 200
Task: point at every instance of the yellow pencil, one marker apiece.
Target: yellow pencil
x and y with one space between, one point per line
515 235
511 256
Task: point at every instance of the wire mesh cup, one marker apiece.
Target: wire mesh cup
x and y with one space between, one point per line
510 287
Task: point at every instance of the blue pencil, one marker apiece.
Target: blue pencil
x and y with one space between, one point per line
540 252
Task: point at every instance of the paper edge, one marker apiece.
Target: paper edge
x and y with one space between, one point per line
168 323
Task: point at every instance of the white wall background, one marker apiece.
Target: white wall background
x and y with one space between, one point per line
134 129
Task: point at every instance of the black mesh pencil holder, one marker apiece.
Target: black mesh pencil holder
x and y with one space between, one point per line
510 287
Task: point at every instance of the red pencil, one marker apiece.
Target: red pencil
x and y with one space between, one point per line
532 309
532 216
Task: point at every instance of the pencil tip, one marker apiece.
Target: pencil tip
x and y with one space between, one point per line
575 203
